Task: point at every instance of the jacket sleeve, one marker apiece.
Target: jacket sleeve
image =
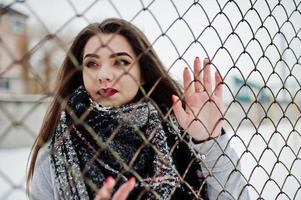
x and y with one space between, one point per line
219 163
42 184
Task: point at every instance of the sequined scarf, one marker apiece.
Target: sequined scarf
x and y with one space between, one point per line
92 142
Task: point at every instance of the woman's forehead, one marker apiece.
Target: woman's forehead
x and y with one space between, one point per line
108 44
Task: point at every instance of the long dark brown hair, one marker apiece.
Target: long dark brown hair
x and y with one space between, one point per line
158 85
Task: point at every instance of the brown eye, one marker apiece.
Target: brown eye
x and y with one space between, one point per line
91 64
121 62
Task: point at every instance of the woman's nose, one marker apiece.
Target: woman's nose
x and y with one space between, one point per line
105 74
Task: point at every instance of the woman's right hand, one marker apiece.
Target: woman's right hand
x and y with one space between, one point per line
122 193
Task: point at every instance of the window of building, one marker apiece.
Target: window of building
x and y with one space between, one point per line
17 25
4 84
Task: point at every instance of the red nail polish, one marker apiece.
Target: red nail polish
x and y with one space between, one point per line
132 179
108 179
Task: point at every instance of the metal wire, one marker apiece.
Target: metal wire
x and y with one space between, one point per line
255 46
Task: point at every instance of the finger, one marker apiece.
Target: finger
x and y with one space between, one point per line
178 109
106 190
207 76
188 86
124 190
218 87
197 75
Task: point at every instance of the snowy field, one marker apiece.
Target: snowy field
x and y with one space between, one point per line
274 173
12 173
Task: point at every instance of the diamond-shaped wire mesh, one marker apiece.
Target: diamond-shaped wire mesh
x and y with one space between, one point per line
254 45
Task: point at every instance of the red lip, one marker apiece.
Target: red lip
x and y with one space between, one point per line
108 91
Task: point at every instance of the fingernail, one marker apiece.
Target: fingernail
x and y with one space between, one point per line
132 182
108 179
197 58
132 179
174 98
110 182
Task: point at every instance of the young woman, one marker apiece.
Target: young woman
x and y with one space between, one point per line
118 116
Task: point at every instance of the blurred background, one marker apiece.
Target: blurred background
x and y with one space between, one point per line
255 45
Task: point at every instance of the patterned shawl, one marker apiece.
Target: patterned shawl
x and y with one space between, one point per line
92 142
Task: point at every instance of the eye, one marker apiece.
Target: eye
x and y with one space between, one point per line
91 64
121 62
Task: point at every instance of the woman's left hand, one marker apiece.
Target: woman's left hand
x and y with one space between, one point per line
202 117
122 193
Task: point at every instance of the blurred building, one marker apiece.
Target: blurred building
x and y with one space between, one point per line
14 76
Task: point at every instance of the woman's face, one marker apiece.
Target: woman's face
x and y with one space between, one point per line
111 73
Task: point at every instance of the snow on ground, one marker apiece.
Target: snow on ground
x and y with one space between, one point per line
273 172
12 173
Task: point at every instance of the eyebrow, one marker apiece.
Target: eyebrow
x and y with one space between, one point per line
111 56
120 54
91 55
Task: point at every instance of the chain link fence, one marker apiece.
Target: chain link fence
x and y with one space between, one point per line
255 46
